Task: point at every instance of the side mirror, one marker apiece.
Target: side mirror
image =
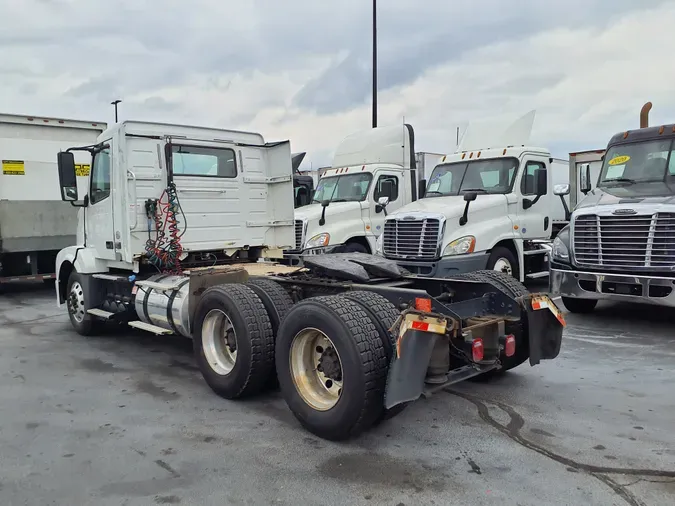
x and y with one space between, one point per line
422 188
585 178
542 181
382 205
470 196
561 189
67 176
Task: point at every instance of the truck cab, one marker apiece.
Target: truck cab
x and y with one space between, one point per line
373 172
162 198
492 208
620 244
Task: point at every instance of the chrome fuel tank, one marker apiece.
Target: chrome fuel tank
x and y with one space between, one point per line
167 308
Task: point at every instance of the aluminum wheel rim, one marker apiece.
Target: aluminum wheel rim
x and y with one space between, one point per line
317 389
76 302
219 342
503 265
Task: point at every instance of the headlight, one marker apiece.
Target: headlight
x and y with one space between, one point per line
560 251
460 246
318 241
378 245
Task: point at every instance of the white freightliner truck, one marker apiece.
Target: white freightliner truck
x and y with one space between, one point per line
488 206
34 222
620 244
345 215
170 216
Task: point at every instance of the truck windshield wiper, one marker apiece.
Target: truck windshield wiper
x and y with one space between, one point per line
619 180
429 192
482 190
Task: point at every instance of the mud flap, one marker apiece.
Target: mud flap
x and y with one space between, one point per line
408 368
545 326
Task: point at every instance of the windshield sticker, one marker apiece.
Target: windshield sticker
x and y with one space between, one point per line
619 160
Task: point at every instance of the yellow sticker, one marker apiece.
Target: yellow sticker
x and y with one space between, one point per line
13 167
82 169
619 160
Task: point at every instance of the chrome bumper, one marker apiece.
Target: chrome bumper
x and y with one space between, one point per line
619 287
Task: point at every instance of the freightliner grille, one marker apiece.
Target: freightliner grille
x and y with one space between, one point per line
299 237
640 240
411 239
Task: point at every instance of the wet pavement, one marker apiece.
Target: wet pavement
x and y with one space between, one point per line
125 419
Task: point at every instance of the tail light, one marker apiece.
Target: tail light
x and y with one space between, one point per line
510 345
477 349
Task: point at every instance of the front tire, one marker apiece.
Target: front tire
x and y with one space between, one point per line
502 260
83 323
580 306
233 341
332 367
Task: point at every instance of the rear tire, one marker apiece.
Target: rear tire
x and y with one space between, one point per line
384 315
277 303
341 396
513 288
233 341
580 306
83 323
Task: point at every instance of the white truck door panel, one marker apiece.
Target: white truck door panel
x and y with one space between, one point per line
535 222
100 224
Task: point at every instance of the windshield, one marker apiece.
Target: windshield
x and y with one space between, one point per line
640 162
343 188
485 176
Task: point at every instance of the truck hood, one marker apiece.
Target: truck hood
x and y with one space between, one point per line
335 211
340 217
450 207
645 193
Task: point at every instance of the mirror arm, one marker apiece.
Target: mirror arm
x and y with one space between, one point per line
568 215
465 217
322 220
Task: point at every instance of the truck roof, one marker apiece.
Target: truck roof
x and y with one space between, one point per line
27 119
177 130
643 134
508 151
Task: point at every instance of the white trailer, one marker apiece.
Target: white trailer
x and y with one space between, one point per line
34 222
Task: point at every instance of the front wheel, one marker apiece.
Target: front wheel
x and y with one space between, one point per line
332 367
83 323
581 306
502 260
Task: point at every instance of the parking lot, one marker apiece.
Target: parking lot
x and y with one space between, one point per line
127 419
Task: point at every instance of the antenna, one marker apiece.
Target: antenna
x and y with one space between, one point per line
114 103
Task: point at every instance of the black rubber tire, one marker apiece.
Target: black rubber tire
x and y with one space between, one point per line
513 288
502 252
384 315
255 340
277 303
363 360
90 325
580 306
354 247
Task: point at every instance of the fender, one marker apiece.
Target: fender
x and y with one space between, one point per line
83 259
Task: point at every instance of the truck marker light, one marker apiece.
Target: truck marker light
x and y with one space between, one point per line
504 152
661 130
510 345
478 155
471 155
477 349
463 156
422 304
423 326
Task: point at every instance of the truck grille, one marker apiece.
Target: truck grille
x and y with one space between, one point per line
625 241
411 239
299 237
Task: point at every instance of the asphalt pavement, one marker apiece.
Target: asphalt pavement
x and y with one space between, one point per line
126 419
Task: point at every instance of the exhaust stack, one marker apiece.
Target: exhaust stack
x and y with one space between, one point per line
644 115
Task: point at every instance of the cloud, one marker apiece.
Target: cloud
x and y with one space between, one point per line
292 72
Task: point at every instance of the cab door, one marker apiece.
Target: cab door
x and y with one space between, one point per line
100 224
534 222
380 182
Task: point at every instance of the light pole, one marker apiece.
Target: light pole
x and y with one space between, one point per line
374 63
114 104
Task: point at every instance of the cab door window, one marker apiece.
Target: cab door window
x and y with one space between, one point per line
378 187
528 184
100 177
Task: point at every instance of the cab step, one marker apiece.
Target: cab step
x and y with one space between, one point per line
537 275
148 327
111 277
100 313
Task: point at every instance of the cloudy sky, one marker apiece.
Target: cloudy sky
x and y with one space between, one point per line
297 72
